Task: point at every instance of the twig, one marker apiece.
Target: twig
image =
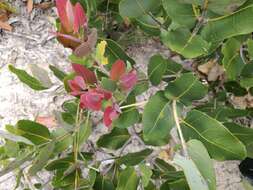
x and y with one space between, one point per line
120 153
28 181
22 36
242 55
199 24
134 105
174 107
157 21
76 142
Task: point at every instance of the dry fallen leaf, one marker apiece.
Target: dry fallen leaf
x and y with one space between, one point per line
5 11
5 26
212 70
166 154
44 5
29 6
48 121
242 102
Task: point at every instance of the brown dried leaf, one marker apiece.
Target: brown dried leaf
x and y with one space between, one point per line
44 5
212 70
86 47
29 6
5 26
48 121
166 154
242 102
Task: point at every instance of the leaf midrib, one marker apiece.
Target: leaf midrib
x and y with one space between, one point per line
211 142
158 118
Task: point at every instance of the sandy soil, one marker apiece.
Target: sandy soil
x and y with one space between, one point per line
31 43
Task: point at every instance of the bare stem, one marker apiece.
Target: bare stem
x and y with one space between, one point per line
134 105
174 107
76 143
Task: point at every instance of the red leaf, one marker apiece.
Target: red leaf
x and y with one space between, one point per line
110 114
77 85
127 81
61 8
70 14
118 69
80 19
87 75
106 94
91 100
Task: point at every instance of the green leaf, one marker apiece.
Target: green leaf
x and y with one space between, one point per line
246 82
132 159
221 7
127 118
250 48
16 163
238 23
114 140
114 52
232 61
247 76
183 42
60 163
108 84
180 13
179 184
128 179
146 174
156 68
14 138
223 113
137 8
148 25
85 131
163 166
140 87
65 140
70 107
173 67
202 160
42 158
11 148
235 88
68 118
27 79
157 120
186 88
244 134
57 72
102 183
41 74
247 185
151 186
215 136
86 61
35 132
66 79
192 174
251 91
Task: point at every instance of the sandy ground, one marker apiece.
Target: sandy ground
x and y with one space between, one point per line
31 43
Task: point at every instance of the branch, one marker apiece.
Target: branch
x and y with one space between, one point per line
174 107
